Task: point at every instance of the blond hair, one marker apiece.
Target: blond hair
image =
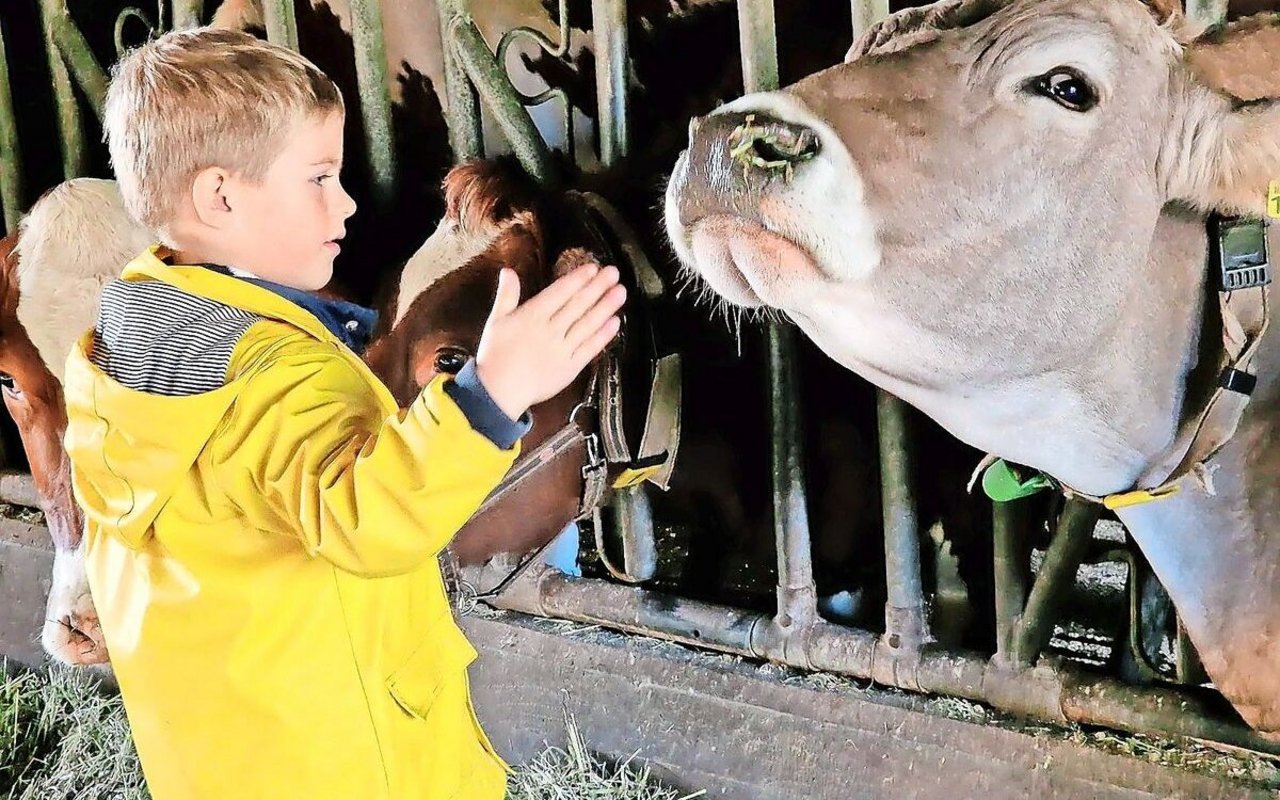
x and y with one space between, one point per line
201 98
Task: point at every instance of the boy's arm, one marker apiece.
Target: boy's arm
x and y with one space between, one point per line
306 450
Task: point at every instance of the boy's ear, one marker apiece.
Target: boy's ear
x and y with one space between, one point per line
210 195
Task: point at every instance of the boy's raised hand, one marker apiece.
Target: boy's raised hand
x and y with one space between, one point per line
529 353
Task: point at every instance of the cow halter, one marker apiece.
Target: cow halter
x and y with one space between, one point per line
1238 259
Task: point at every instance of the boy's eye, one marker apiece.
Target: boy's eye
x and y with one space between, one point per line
319 179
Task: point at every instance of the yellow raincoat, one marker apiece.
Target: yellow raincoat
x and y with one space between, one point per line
262 557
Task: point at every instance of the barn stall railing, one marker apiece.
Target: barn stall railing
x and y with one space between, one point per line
1015 679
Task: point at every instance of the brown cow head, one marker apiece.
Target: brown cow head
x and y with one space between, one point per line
495 218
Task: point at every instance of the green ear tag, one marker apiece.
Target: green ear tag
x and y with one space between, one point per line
1002 483
1273 200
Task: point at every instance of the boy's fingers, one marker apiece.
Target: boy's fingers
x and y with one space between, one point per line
597 315
550 299
597 342
508 296
585 298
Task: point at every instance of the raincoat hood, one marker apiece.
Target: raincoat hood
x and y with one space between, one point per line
133 448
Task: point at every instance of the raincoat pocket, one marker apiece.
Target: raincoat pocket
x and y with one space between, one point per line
440 659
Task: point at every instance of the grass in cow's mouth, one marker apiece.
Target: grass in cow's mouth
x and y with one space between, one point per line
752 145
63 737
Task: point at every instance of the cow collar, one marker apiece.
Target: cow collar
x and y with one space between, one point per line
1238 259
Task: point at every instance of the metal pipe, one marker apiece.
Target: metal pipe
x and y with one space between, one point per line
1011 569
495 90
1059 694
10 151
462 106
759 41
187 13
905 627
70 135
867 13
375 96
79 59
797 594
1054 581
609 23
281 23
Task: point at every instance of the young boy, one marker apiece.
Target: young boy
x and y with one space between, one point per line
263 523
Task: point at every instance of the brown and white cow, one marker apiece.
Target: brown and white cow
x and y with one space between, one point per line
73 240
997 211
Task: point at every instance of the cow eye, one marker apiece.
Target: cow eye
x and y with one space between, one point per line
6 382
1067 87
451 360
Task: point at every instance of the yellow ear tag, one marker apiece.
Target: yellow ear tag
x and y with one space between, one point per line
1273 200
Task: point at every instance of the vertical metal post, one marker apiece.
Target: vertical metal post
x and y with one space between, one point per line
1011 570
1054 581
375 96
632 517
797 594
10 154
79 59
867 13
74 154
797 597
905 627
187 13
609 23
462 106
282 24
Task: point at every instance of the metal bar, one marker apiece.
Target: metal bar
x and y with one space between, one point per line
187 13
498 96
609 23
1011 570
375 96
632 518
1056 577
905 627
281 23
85 69
1060 694
797 594
759 40
70 134
462 106
867 13
10 151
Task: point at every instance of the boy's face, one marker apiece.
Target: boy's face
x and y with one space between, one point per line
287 226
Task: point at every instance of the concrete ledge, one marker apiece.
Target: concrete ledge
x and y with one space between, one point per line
705 721
739 731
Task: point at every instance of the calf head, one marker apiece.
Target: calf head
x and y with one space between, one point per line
495 217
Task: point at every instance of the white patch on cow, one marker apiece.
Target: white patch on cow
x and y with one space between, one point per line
448 248
70 615
74 240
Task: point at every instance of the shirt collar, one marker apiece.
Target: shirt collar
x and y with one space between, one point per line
351 323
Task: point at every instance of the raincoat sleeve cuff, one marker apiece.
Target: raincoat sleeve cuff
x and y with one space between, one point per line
482 412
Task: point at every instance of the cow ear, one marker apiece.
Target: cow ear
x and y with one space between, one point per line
1225 154
571 259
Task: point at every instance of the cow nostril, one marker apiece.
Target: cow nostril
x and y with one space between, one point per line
771 144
